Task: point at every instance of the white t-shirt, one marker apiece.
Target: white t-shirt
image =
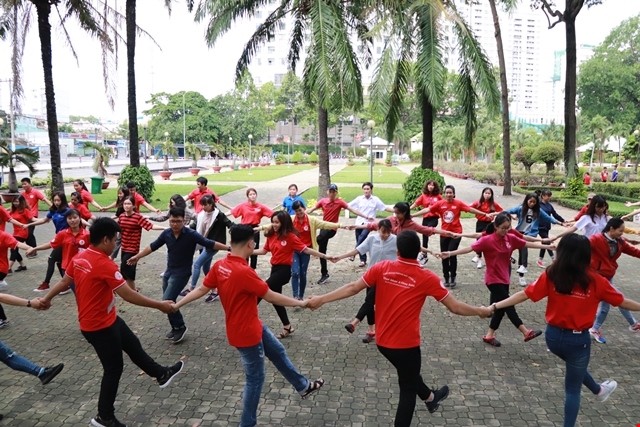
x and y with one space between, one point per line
369 207
592 227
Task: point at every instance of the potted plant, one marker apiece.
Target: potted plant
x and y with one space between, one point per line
195 152
100 161
10 158
280 159
168 148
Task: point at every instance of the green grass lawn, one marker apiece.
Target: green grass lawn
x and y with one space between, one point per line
160 197
261 173
361 173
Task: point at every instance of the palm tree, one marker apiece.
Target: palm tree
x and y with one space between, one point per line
415 31
10 158
103 154
331 78
600 129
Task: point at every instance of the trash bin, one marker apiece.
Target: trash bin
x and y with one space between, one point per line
236 167
96 184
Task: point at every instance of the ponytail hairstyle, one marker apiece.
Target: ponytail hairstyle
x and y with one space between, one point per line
500 219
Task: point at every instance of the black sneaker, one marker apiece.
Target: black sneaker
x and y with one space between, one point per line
101 422
50 373
452 284
438 396
170 374
169 335
178 334
323 279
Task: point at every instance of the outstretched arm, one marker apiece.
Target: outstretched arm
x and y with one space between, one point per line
514 299
343 292
463 309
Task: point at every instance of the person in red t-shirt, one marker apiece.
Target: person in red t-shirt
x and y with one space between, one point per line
77 203
240 288
283 242
331 207
33 198
20 212
604 175
7 241
486 204
252 213
450 209
402 287
430 195
80 187
201 190
586 179
573 292
497 244
97 280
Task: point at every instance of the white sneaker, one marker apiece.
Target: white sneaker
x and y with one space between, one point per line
423 259
606 389
480 263
3 284
522 281
522 269
475 259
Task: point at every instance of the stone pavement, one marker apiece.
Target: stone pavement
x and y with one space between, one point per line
516 385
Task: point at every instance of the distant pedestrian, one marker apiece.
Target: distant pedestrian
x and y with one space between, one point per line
614 174
586 179
291 198
604 175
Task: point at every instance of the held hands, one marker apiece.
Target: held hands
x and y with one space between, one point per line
443 255
167 307
31 251
40 304
133 260
485 312
314 302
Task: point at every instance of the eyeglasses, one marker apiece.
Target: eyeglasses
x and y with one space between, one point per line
176 221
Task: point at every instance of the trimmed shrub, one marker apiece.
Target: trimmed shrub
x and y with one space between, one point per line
313 157
630 190
575 188
415 156
141 176
297 157
415 182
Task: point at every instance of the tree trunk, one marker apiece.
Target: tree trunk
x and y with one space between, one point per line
134 147
323 152
570 97
504 98
43 10
427 132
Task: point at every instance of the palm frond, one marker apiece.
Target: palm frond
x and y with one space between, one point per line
430 70
297 41
383 78
468 99
223 13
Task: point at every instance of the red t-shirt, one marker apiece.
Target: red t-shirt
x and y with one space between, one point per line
24 217
604 175
197 194
331 210
33 197
497 253
586 180
96 277
5 216
282 248
304 230
239 288
86 196
450 214
251 213
131 231
485 207
71 244
139 201
82 209
582 212
7 241
401 289
577 310
425 201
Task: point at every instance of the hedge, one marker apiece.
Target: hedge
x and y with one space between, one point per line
630 190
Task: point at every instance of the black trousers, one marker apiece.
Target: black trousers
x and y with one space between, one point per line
432 221
523 258
254 258
449 265
500 292
323 242
544 234
15 253
481 226
280 276
31 239
109 344
407 362
368 307
55 258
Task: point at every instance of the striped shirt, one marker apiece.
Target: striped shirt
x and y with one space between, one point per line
131 231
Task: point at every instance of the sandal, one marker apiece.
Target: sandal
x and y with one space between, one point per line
492 341
313 387
350 328
531 335
286 332
362 264
352 258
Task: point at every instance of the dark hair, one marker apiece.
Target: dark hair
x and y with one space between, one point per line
71 212
132 200
492 206
385 223
78 196
249 190
500 219
597 201
297 205
131 184
176 212
286 225
64 205
613 223
436 188
525 205
293 185
404 209
178 201
81 183
408 244
240 233
546 192
26 179
22 204
202 180
571 266
103 227
452 189
207 199
125 194
368 183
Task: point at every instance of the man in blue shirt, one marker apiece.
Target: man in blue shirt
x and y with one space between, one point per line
181 244
291 198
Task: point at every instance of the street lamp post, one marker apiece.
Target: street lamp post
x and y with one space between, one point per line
144 128
636 133
250 138
371 124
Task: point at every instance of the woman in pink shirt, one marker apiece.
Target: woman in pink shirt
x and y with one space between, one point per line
252 213
497 246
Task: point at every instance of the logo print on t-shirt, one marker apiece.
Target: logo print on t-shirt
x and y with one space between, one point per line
448 217
283 243
118 276
305 228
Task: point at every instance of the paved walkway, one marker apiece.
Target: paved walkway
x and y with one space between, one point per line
516 385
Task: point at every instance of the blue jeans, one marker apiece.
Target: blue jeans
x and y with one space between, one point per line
173 282
603 310
361 235
253 363
575 350
202 263
299 273
17 362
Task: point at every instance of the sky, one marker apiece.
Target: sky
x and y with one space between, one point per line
180 59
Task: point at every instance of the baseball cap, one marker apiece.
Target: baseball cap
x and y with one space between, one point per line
333 187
